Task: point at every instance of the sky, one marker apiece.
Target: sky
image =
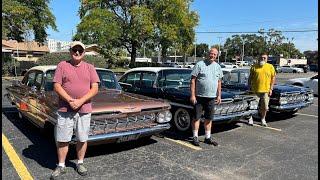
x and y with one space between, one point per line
223 16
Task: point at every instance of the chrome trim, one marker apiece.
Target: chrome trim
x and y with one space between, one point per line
289 106
181 105
234 115
109 136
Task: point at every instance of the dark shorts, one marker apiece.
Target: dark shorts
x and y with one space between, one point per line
204 104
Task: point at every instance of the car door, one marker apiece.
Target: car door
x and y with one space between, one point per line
31 108
131 82
147 86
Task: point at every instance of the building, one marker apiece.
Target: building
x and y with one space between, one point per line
57 45
24 51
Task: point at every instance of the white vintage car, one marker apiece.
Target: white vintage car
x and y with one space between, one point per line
291 69
311 82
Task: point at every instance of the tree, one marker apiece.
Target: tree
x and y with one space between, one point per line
131 24
202 50
22 17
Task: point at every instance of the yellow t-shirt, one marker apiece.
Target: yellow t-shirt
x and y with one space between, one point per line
261 77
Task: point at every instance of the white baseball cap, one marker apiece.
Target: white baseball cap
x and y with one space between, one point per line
77 43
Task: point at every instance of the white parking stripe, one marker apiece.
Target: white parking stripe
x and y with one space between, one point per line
268 127
307 115
184 144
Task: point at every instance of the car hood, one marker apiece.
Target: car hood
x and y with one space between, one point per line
123 102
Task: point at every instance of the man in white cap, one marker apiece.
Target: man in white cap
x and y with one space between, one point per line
76 82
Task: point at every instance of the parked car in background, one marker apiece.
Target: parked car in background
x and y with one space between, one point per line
190 65
171 64
313 67
311 82
173 84
228 65
305 67
284 99
117 116
291 69
277 68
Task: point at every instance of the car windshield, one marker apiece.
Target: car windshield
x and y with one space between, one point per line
236 77
174 78
107 78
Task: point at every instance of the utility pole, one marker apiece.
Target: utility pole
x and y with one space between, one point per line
225 58
219 49
144 50
242 50
195 51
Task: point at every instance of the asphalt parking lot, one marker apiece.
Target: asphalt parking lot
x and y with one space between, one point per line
288 149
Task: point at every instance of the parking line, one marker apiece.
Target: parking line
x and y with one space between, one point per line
15 160
184 144
268 127
306 115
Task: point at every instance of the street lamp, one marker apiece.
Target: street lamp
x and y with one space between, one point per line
242 49
225 58
219 49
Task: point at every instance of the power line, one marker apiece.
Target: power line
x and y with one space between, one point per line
250 32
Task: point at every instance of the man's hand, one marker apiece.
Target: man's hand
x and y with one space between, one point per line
218 99
193 100
270 92
75 103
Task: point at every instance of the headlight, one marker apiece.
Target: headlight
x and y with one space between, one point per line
283 100
164 117
253 105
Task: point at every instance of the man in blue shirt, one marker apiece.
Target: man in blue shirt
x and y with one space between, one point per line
205 92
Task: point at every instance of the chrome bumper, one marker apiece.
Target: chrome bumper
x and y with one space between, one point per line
140 132
234 116
289 107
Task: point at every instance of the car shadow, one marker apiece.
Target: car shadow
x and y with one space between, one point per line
273 117
43 148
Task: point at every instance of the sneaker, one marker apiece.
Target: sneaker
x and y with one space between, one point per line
210 141
81 169
250 122
58 171
195 141
264 123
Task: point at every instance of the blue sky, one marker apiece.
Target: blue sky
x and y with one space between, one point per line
225 15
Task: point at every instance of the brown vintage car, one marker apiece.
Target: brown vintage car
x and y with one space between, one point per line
117 116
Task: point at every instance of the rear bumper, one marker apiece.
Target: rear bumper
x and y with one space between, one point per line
234 116
289 107
114 137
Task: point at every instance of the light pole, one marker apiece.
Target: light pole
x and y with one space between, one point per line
219 49
195 51
242 50
225 58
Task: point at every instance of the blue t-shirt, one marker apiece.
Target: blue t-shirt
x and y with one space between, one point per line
207 74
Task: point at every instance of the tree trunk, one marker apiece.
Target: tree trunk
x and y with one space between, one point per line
133 51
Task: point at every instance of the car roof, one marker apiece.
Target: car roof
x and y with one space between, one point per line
154 69
53 67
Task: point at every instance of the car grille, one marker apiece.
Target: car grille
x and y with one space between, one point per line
295 97
230 107
122 124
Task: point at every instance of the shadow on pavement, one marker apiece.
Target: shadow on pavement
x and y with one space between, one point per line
43 149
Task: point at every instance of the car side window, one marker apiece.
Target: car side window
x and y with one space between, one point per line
133 78
148 79
29 79
38 80
48 86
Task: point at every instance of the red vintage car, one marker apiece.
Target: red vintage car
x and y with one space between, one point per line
117 116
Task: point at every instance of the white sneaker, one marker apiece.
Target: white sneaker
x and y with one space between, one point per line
264 123
250 121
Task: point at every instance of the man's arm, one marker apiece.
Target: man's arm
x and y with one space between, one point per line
61 92
92 92
273 80
219 92
193 89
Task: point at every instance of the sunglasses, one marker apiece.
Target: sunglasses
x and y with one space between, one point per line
76 49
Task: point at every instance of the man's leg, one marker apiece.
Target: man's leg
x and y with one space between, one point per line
264 108
195 130
81 150
62 150
209 115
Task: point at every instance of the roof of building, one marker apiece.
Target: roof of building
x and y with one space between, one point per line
24 46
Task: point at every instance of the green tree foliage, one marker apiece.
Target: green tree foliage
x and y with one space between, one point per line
132 24
55 58
21 17
202 50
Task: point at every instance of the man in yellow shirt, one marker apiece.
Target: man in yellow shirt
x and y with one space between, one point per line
261 81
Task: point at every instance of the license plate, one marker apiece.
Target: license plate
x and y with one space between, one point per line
128 138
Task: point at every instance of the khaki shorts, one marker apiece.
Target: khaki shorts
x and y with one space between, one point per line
263 99
69 122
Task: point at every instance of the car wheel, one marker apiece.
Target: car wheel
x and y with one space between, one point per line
294 71
182 119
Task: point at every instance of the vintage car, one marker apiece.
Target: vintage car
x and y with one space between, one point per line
284 99
173 84
311 82
117 116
